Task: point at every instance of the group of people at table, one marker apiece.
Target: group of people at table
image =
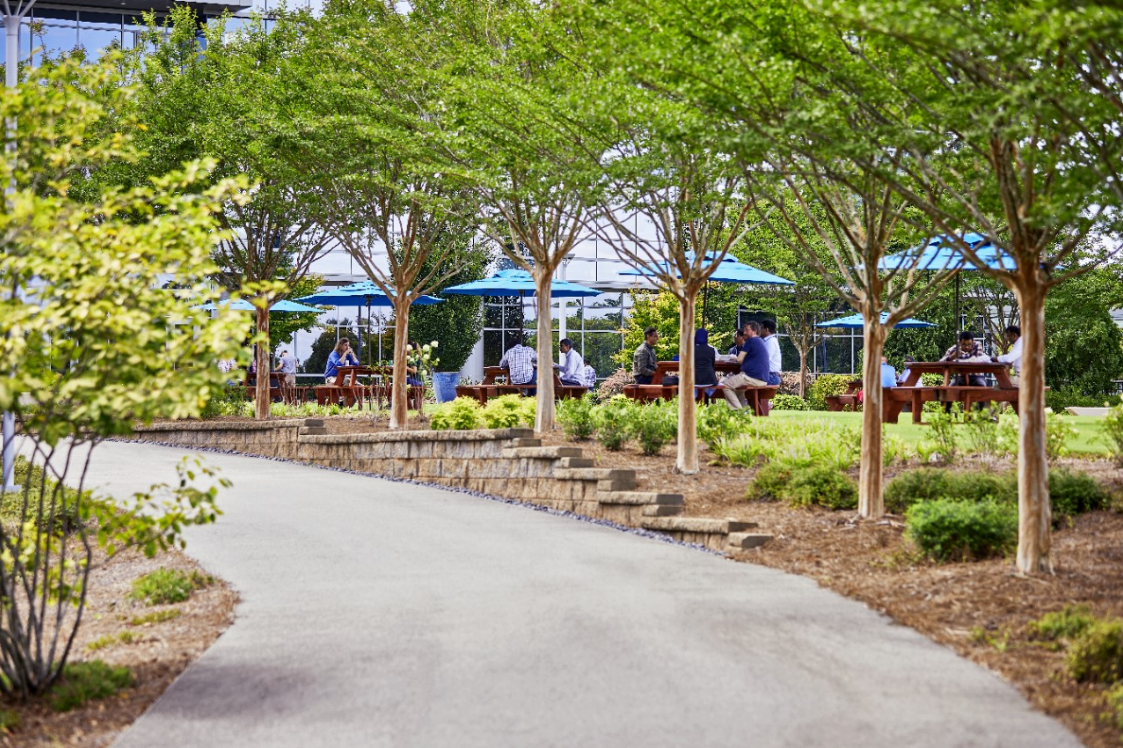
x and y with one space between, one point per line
756 350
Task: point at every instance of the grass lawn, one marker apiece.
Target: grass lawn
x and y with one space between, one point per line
1089 438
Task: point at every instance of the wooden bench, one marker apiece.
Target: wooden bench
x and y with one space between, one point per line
485 389
276 391
838 403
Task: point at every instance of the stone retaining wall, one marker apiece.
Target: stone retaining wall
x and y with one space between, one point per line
509 463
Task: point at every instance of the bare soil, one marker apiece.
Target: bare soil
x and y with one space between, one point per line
157 654
979 609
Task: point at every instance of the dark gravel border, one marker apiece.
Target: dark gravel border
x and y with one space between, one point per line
453 489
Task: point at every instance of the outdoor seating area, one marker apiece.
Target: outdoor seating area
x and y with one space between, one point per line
497 382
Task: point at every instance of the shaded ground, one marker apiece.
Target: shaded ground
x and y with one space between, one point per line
157 654
979 609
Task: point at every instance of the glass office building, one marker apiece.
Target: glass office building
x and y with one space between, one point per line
97 26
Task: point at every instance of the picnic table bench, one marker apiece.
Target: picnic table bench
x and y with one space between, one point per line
489 387
968 395
347 388
657 390
849 398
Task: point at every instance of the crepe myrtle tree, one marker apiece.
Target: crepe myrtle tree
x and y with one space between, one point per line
800 157
371 145
670 206
508 116
100 345
1015 135
226 99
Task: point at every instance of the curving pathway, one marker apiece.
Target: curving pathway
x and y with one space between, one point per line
380 614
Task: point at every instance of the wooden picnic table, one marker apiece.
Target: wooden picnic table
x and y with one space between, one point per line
657 390
912 391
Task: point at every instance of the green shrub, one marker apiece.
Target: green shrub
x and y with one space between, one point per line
1114 698
506 412
613 422
912 486
9 720
926 484
654 425
1068 623
225 401
789 402
982 432
165 586
575 415
1075 493
85 681
1096 656
949 530
529 409
462 414
1062 398
60 502
1113 432
824 385
717 422
744 450
942 433
770 482
822 486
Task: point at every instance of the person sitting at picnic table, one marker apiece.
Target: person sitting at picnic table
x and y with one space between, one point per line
643 360
754 368
772 343
967 350
286 367
572 370
738 341
907 372
888 374
704 357
341 356
1013 335
519 361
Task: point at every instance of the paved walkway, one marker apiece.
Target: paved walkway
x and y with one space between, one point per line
379 614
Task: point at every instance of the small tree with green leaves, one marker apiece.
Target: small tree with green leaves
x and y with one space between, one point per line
95 346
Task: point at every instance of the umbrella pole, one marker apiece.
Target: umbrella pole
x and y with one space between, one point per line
705 293
957 317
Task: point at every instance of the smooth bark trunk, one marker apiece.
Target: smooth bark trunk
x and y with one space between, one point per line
687 459
399 394
871 504
261 391
1035 539
802 373
544 413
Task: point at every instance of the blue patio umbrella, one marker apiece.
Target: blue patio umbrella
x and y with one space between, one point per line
515 282
855 321
941 253
363 293
241 305
729 270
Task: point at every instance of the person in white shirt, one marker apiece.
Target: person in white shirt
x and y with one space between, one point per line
572 370
772 345
1013 357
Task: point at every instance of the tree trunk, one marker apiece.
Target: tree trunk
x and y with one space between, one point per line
544 418
871 504
1035 540
802 372
261 392
687 460
399 393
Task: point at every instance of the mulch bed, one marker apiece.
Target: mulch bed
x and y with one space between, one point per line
156 656
980 609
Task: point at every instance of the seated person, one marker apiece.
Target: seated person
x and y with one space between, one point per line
572 370
967 350
754 368
888 374
341 356
589 376
907 372
413 357
704 357
519 361
1013 335
738 341
643 360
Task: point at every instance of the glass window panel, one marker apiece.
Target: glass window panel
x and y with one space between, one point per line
493 347
97 40
598 348
493 315
57 40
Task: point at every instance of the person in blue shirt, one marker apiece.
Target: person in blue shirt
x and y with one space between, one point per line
888 374
754 368
341 356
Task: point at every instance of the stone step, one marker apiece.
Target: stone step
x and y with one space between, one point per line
743 541
697 525
314 423
566 463
598 474
640 498
543 453
312 431
524 442
663 510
